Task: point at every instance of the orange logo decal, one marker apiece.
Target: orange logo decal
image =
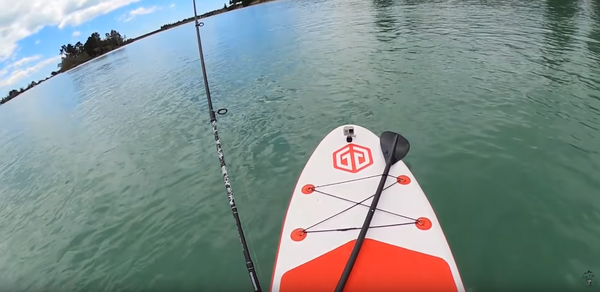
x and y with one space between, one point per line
352 158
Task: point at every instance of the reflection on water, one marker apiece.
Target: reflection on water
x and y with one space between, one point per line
560 26
563 9
385 20
593 43
413 2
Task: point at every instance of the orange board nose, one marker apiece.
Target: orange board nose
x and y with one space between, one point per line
379 267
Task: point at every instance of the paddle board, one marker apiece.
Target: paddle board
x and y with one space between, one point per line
405 248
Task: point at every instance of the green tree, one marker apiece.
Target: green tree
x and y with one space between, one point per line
73 55
79 48
91 46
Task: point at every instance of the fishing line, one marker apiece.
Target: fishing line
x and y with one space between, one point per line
254 253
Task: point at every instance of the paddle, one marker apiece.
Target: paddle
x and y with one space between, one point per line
394 148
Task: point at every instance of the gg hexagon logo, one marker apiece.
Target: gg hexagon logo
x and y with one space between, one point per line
352 158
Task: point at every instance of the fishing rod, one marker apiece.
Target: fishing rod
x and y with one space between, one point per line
213 120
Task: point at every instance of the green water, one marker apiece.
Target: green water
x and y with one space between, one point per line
109 178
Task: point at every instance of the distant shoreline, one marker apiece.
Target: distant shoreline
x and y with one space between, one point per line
205 15
84 58
179 23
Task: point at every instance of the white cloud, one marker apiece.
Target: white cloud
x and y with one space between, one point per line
22 62
20 19
21 73
140 11
172 5
38 42
76 33
83 15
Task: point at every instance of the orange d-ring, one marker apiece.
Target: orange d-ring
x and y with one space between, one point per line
308 189
298 234
403 179
423 223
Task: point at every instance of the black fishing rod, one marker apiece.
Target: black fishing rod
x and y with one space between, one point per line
213 120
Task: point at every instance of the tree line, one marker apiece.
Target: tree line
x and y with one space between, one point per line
233 4
73 55
242 2
14 93
94 46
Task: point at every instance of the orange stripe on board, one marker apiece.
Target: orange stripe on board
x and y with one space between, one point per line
380 267
281 238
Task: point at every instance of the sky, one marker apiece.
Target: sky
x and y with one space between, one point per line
32 31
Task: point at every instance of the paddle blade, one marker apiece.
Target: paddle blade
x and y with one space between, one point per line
394 146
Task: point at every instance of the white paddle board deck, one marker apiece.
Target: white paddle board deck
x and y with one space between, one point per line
405 248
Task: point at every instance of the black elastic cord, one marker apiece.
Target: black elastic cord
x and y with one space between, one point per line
347 200
355 204
356 228
338 213
347 181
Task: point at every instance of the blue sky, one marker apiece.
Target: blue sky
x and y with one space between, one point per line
32 31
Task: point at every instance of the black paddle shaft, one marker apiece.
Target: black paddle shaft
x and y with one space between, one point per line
390 157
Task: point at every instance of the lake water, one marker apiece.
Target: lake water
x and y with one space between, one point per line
109 178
